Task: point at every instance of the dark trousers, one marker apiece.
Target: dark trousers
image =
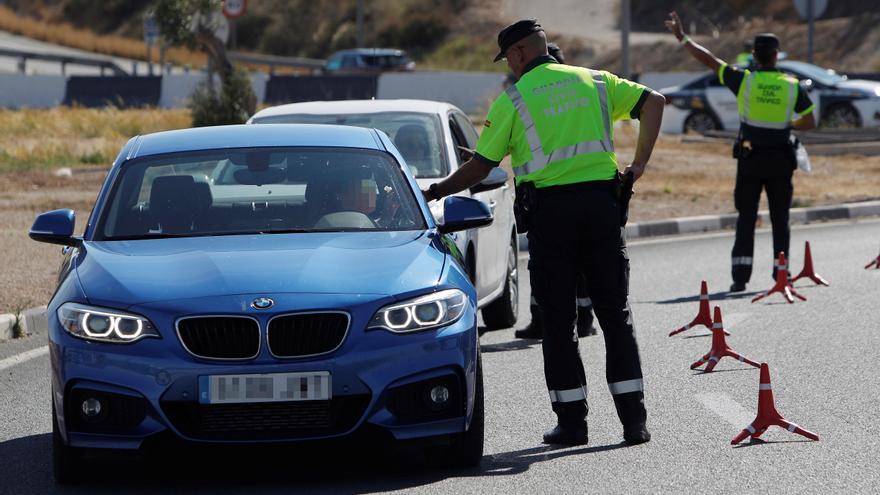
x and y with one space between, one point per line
574 231
772 173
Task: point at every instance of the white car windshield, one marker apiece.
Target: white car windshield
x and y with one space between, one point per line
416 135
259 191
826 77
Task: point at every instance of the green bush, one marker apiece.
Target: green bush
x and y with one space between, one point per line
229 105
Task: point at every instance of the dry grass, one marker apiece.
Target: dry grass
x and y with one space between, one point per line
69 137
683 180
83 39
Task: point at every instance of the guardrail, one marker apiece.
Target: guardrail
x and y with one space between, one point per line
273 61
23 56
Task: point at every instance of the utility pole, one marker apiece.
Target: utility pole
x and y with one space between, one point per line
624 38
360 24
810 18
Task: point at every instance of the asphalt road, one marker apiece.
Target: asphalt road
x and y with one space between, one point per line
822 355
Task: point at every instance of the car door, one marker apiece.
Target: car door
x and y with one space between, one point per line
722 101
492 241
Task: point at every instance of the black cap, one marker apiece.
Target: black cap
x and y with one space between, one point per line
767 40
515 32
555 52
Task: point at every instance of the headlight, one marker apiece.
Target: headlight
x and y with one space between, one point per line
429 311
104 325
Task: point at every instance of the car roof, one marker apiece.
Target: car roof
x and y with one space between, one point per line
244 136
355 106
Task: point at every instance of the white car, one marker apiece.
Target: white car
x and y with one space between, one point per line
434 139
705 104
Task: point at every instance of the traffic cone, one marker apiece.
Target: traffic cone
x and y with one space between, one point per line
720 348
808 271
875 263
703 317
783 284
768 415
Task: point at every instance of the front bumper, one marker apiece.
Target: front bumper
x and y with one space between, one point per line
157 384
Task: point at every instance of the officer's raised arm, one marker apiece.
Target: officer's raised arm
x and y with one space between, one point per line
704 56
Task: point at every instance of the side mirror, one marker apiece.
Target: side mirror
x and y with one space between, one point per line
55 227
464 213
497 178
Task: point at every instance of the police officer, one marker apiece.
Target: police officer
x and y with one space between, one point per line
556 123
770 104
535 329
745 57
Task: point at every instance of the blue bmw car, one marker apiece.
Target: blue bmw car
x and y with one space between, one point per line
250 284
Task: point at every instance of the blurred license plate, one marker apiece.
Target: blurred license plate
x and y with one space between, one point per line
272 387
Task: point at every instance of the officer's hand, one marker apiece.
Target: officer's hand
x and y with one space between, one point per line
427 195
636 169
673 24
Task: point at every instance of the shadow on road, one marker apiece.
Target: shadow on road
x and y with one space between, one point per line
701 373
758 441
513 345
716 296
27 468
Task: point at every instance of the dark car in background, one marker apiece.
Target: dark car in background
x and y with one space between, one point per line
368 61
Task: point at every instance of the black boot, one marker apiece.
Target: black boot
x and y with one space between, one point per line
737 287
535 330
585 321
574 434
635 434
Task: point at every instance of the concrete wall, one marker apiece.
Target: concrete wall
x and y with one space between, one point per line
470 91
177 88
19 90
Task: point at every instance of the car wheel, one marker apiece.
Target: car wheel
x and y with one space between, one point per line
700 122
67 462
502 312
841 115
467 448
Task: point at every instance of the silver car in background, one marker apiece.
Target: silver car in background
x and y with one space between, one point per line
434 139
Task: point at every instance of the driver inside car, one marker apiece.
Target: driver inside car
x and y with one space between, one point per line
354 200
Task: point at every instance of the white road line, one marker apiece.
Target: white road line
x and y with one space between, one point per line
729 410
23 357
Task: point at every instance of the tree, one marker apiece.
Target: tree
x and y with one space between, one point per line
188 22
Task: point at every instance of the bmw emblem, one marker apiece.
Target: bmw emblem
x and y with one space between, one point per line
262 303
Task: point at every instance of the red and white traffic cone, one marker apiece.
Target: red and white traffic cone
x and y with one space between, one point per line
768 415
875 263
783 284
703 316
720 348
808 271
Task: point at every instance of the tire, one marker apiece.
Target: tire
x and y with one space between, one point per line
841 116
700 122
67 462
502 312
467 448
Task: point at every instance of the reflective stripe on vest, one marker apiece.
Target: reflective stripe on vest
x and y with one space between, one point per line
539 159
746 112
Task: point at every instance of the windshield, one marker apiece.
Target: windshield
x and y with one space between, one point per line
826 77
416 135
259 190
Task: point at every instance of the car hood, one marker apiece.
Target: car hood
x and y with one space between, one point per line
124 273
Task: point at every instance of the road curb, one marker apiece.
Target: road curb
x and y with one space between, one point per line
711 223
34 321
7 326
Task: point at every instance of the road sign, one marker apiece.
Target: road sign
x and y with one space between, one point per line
233 9
151 29
818 8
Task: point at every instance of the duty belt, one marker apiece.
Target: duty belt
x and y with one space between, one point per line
578 187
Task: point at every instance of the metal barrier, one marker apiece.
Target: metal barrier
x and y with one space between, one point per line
23 56
295 89
273 61
120 91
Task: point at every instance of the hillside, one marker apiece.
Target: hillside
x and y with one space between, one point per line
460 34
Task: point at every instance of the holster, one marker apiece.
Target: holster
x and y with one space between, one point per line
524 206
624 193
